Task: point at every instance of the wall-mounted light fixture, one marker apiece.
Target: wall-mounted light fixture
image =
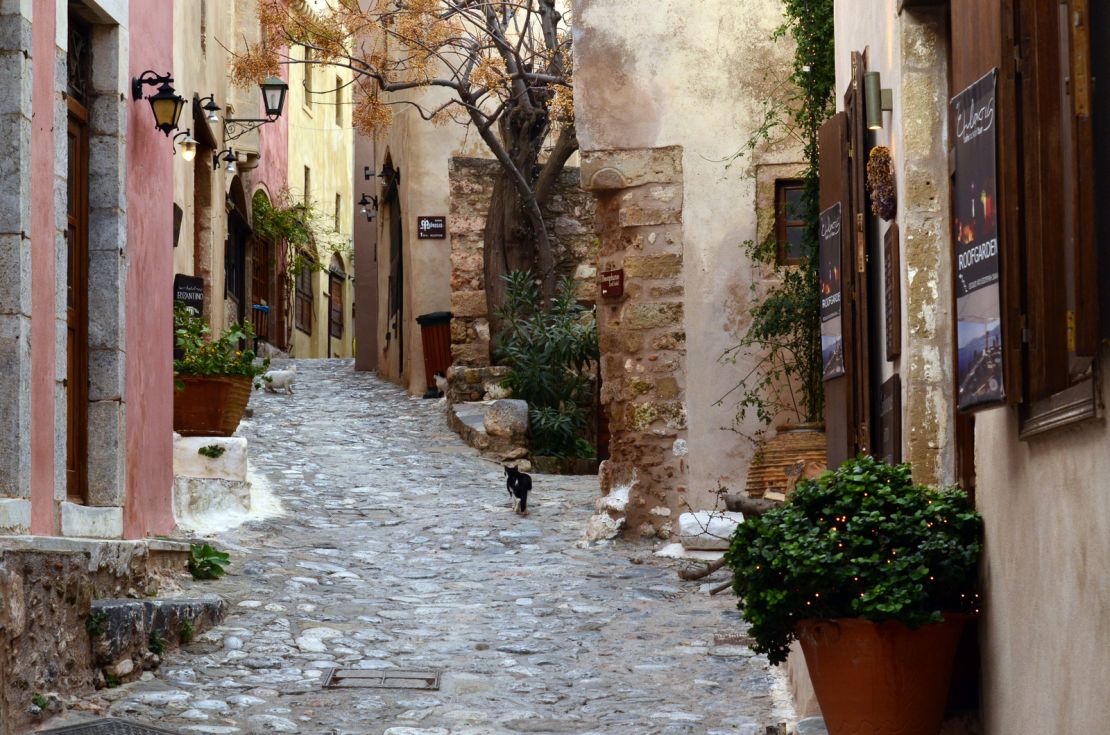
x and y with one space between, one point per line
369 206
166 104
210 107
366 173
876 100
188 145
389 175
229 158
273 99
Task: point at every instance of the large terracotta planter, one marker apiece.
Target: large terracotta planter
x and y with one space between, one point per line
211 405
880 678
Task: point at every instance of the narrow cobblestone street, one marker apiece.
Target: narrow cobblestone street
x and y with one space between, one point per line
398 549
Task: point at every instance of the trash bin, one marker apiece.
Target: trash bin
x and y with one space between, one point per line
435 334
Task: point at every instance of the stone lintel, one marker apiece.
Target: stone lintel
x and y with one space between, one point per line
624 169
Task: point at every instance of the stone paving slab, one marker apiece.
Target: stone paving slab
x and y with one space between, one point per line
399 550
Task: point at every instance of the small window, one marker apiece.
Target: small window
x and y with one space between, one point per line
304 298
309 71
338 102
789 223
338 209
307 185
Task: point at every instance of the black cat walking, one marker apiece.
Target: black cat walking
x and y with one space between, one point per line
519 484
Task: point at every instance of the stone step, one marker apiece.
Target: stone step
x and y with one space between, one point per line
129 636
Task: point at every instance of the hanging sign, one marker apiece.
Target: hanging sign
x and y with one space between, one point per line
431 228
832 330
975 221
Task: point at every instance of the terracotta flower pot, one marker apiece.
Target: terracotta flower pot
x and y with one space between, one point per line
210 405
880 678
794 453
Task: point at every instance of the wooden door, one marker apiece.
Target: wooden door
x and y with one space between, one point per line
262 268
77 304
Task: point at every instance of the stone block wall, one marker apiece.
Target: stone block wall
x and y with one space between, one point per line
642 334
569 216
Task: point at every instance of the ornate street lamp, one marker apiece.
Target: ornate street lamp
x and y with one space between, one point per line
166 104
273 99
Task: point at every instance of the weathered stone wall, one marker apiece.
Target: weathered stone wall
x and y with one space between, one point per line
569 217
44 647
642 334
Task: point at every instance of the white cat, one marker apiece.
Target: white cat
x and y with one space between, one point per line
275 379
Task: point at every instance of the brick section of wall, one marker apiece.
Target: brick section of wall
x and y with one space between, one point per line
569 217
642 334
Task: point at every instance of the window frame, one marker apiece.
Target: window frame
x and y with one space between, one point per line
1058 295
304 297
782 225
306 82
336 283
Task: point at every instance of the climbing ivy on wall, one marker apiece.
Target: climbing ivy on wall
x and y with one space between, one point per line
786 323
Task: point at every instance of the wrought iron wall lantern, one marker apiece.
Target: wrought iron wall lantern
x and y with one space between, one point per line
273 99
188 145
369 206
389 175
229 158
211 109
166 104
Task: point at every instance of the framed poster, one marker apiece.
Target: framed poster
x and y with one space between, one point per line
832 329
975 224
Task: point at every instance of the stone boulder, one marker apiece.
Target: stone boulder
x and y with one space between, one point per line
708 530
507 418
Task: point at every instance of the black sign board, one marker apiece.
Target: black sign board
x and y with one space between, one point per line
975 224
431 228
832 330
189 290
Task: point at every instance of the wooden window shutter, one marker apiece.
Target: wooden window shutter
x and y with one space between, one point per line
840 422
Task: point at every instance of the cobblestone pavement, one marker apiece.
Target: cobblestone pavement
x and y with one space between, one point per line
398 550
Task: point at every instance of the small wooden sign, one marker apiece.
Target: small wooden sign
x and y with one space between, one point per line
431 228
612 283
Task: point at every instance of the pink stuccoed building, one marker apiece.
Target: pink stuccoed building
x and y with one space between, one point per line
86 233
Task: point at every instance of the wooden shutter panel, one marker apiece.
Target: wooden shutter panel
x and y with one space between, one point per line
832 141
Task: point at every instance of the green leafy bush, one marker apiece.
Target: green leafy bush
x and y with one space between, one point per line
862 542
202 355
206 562
551 353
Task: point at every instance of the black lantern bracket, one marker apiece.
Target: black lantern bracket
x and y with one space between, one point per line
150 77
237 127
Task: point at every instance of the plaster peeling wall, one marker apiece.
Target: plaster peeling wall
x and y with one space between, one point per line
682 75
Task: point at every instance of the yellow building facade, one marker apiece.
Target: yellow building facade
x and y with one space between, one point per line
321 149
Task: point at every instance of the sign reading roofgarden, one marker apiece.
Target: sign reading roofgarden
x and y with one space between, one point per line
975 221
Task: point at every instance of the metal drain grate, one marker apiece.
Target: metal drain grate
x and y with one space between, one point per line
378 679
107 727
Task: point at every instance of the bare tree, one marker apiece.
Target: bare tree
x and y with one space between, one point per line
505 65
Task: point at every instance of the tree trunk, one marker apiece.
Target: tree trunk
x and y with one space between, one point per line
509 244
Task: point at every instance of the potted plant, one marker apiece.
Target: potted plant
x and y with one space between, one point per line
875 577
212 377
